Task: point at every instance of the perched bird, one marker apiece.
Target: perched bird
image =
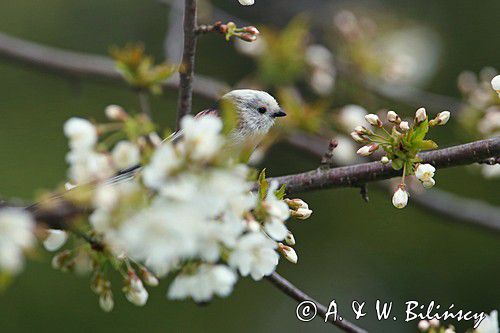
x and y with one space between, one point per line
255 110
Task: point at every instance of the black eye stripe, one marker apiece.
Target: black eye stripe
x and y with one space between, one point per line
262 109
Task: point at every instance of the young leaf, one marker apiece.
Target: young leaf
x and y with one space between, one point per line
263 185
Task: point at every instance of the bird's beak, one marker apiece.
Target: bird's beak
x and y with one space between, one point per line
280 113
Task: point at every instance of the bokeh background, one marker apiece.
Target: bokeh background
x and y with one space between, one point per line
348 250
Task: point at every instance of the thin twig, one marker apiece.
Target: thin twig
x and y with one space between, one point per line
186 71
144 103
288 288
83 65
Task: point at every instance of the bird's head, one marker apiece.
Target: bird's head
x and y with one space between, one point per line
257 110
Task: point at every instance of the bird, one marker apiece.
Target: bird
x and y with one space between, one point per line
255 110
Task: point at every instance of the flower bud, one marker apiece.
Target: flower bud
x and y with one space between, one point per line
290 239
251 30
115 112
55 240
246 2
367 150
434 322
106 301
247 37
384 160
135 291
301 213
404 126
288 252
441 118
420 115
393 117
495 83
296 203
400 197
429 183
424 325
61 259
373 120
358 138
149 278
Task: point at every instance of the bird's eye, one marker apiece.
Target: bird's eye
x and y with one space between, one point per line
262 109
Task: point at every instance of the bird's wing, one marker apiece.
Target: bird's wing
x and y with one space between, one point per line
174 137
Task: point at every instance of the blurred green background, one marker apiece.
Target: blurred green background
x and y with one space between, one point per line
348 250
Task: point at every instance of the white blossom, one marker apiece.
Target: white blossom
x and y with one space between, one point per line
207 281
55 240
247 2
424 173
16 236
202 138
367 150
352 115
81 133
125 155
163 162
495 83
400 198
254 255
489 324
278 213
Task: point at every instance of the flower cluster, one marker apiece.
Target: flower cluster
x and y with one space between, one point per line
401 143
489 324
16 237
480 116
190 212
247 34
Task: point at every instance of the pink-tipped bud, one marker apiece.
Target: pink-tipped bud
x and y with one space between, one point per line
358 138
420 115
367 150
393 117
247 37
441 118
115 112
252 30
373 120
288 252
404 126
400 197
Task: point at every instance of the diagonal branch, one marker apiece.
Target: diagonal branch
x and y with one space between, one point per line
288 288
83 65
356 175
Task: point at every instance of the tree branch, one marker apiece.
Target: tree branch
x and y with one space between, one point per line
288 288
82 65
356 175
186 71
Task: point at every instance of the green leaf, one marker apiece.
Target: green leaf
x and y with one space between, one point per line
263 185
420 132
280 193
397 164
426 145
